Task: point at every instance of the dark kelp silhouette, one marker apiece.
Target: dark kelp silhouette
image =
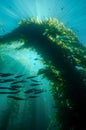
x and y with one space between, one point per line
63 54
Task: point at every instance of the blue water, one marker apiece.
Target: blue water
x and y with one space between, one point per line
71 13
33 114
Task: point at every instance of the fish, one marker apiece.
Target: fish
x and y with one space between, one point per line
30 77
34 80
4 87
5 74
8 80
42 71
12 88
35 91
9 92
15 98
15 82
21 81
16 86
39 91
33 96
36 59
8 88
30 90
35 84
2 81
62 8
18 76
18 81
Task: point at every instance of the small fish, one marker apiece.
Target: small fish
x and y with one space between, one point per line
18 76
9 92
39 91
2 81
30 90
4 75
36 59
8 80
33 96
16 86
34 80
42 71
12 88
18 81
16 98
8 88
62 8
30 77
15 82
4 87
34 84
22 81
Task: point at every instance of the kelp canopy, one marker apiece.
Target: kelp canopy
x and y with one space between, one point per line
65 59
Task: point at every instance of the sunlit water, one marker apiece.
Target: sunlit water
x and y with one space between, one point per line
36 113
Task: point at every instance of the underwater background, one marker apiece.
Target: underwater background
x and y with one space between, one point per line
42 64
